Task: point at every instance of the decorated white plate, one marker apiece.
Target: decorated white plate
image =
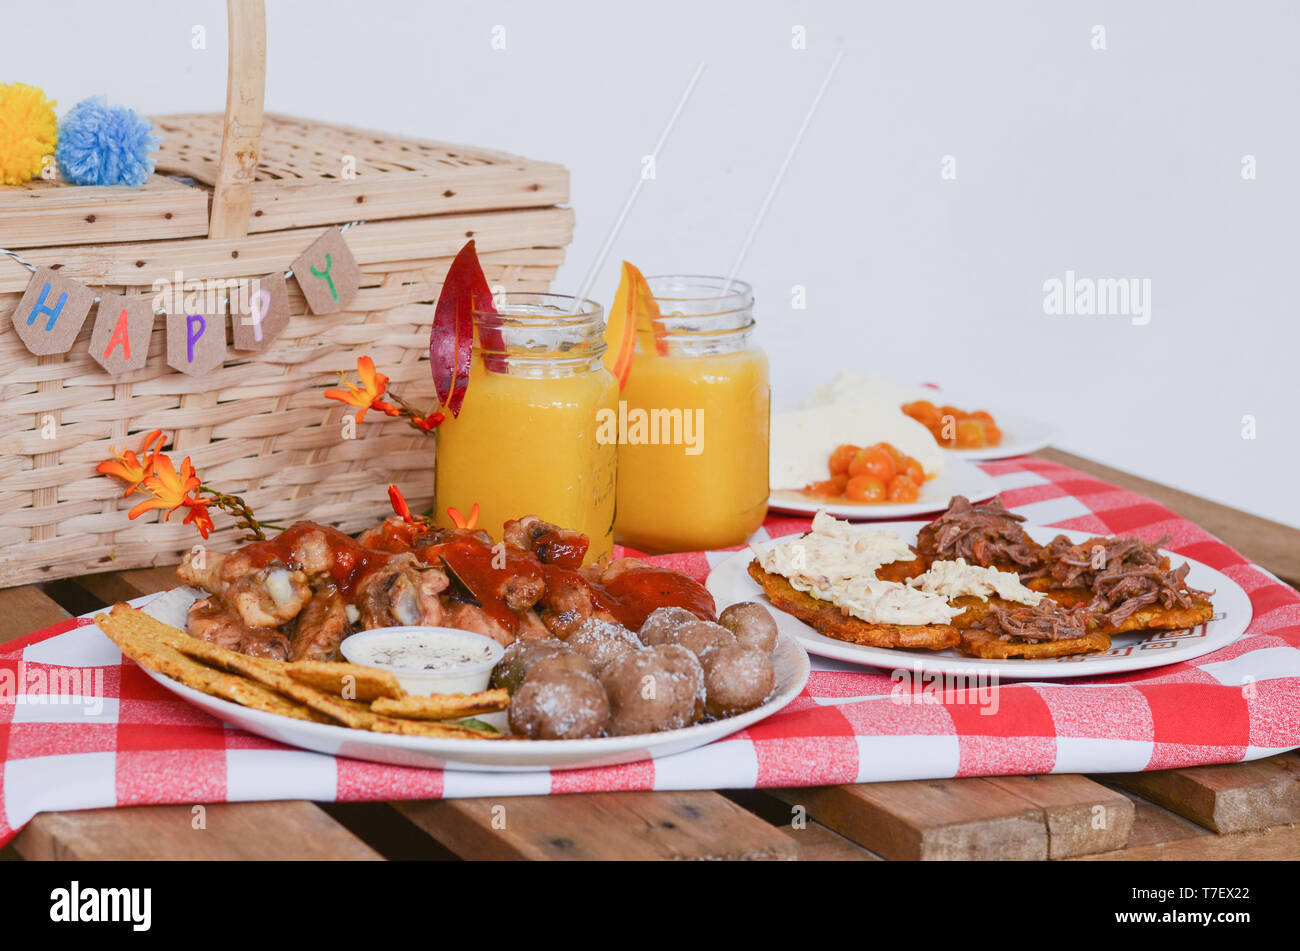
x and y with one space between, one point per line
1020 436
957 478
789 659
730 582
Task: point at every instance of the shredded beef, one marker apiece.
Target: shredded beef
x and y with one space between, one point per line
1122 590
982 534
1045 621
1068 565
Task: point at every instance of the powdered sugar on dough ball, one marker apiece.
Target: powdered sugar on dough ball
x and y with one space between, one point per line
752 624
520 656
556 703
653 689
736 679
700 637
602 641
662 622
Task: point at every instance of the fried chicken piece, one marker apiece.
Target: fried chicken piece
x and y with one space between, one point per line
551 544
265 596
568 604
320 627
402 592
465 616
211 621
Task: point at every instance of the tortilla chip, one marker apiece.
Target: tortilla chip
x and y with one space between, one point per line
444 706
346 680
980 643
150 637
157 656
829 620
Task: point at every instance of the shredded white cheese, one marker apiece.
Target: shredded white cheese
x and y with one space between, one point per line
837 562
954 579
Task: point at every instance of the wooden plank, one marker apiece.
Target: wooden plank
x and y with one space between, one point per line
819 844
1082 817
40 214
623 825
243 830
929 819
27 609
1153 824
1232 797
113 586
241 130
1280 843
441 236
313 173
1268 543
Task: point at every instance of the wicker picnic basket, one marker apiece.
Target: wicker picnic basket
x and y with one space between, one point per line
241 196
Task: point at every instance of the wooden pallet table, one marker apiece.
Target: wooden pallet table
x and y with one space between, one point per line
1234 811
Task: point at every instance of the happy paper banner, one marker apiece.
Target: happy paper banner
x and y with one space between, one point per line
54 309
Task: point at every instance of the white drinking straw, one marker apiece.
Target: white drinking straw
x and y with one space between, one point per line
597 264
762 211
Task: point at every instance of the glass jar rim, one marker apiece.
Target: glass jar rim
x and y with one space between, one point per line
668 288
536 309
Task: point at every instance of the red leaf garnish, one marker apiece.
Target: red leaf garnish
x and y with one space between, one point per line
451 342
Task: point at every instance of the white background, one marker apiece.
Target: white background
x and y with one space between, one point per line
1117 163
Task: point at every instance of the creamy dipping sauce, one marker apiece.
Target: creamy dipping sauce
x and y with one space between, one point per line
427 660
436 652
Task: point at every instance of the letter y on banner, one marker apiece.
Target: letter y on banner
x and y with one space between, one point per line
328 274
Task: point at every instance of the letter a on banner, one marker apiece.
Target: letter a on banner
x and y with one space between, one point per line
120 341
328 274
51 313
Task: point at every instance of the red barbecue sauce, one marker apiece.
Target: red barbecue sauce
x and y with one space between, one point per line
629 597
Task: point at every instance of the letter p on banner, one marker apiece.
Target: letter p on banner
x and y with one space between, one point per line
196 342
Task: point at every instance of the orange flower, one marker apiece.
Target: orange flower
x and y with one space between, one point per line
399 504
170 489
367 395
128 467
199 516
427 423
460 521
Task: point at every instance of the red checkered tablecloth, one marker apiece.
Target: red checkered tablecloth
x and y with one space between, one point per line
130 742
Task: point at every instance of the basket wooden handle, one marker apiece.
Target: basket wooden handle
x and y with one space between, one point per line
241 137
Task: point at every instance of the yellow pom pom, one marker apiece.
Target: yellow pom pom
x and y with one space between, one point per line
28 132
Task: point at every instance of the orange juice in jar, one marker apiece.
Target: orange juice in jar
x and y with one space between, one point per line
698 479
525 442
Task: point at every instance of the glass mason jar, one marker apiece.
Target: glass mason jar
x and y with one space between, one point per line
694 474
525 442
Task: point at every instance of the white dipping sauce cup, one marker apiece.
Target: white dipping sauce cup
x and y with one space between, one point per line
418 680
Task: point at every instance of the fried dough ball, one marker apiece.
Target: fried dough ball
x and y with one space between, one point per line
556 702
521 655
661 621
736 678
653 689
602 641
699 637
752 624
551 664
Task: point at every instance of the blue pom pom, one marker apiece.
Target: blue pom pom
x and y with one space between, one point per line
101 144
